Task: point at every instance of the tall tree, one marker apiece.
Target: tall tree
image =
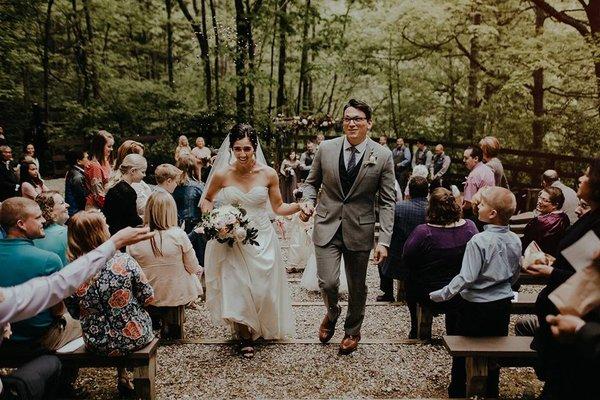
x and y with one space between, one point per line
283 27
90 49
537 91
169 26
303 80
46 59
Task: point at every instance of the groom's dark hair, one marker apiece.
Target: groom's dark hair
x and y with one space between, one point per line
360 105
240 131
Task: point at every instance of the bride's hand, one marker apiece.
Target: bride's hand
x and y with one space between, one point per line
306 209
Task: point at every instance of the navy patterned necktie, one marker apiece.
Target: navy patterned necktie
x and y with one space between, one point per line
352 160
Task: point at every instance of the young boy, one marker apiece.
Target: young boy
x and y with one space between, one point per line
167 177
490 266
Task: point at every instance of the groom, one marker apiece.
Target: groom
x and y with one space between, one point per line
350 170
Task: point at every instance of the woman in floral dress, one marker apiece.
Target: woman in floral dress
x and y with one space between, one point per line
111 304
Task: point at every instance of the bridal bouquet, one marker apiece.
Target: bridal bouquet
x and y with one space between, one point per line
228 224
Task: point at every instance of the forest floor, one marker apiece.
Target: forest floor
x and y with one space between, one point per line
382 367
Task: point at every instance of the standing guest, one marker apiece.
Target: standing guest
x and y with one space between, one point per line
168 259
480 176
439 166
383 140
423 155
183 147
98 170
408 214
549 227
567 374
142 189
490 146
75 180
203 156
187 194
402 158
289 177
55 212
29 151
111 304
433 255
167 177
127 147
31 183
120 205
489 268
550 178
318 140
306 160
9 182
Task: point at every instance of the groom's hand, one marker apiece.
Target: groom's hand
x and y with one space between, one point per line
306 210
381 253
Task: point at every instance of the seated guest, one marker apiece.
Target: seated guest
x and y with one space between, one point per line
50 329
168 259
418 170
29 153
550 178
490 266
54 210
187 194
29 177
548 228
75 181
167 177
433 255
582 208
97 171
566 372
408 214
111 304
120 203
141 188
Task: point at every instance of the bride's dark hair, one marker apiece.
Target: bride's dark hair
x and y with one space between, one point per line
240 131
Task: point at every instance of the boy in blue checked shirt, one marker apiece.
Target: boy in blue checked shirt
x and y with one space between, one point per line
490 266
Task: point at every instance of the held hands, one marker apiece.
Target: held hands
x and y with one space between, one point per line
306 210
129 235
564 327
380 254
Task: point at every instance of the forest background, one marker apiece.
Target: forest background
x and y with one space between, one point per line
527 72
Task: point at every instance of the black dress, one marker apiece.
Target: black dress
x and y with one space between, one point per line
120 207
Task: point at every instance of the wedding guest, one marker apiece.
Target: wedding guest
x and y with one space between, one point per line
31 183
433 255
55 212
489 268
111 304
203 156
318 140
120 204
289 177
550 178
582 209
127 147
187 194
75 180
490 146
402 158
549 227
29 151
383 140
98 170
423 155
168 259
439 166
142 189
480 176
306 160
3 140
9 182
408 214
167 177
183 147
566 373
419 170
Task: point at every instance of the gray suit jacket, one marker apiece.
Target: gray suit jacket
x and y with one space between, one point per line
355 211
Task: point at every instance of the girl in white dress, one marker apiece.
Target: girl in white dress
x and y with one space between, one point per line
246 285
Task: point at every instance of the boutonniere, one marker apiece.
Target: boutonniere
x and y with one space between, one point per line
372 159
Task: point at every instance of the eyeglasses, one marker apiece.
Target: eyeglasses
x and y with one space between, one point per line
245 149
357 120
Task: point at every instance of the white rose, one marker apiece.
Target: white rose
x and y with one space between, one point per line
240 233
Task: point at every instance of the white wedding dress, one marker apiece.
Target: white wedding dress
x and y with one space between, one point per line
247 284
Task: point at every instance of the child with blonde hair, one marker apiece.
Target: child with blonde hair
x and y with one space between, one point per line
167 177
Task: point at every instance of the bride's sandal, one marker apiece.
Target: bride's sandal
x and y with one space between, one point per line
246 348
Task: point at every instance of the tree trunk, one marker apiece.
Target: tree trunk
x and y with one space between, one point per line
302 82
169 7
81 55
46 60
240 61
593 13
281 99
538 127
330 99
213 14
473 80
90 50
250 75
272 63
393 126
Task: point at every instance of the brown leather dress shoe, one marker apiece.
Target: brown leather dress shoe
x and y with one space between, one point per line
327 328
349 343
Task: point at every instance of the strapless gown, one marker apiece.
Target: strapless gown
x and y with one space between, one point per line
247 284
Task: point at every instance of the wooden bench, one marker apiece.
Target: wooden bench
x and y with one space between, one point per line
525 278
174 319
142 361
525 304
480 352
522 218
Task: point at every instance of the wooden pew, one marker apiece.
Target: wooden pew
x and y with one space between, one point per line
173 319
525 278
524 305
142 361
479 352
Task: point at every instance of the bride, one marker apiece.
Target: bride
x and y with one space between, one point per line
246 285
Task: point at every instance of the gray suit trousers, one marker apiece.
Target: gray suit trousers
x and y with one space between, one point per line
328 272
